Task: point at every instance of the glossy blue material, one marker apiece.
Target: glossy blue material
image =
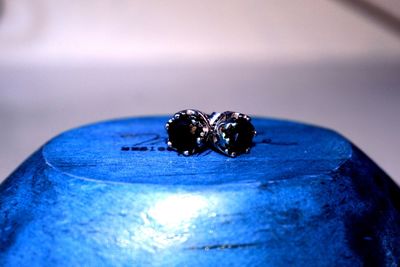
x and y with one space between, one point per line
111 194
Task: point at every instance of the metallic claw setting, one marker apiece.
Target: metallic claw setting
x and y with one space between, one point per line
230 133
188 131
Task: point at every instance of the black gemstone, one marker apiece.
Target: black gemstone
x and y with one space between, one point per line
183 134
238 135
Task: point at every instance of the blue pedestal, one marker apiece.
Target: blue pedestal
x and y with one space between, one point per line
111 194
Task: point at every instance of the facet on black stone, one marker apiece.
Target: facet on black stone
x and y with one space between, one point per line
234 133
184 131
240 135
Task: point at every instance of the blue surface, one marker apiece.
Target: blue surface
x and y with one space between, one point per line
111 194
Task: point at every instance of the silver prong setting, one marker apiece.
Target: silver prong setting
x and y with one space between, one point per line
188 131
190 112
233 133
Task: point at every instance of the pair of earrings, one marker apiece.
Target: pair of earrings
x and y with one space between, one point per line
191 131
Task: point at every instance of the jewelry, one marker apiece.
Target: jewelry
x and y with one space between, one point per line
232 133
188 131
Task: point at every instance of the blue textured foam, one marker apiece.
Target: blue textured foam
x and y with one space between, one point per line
111 194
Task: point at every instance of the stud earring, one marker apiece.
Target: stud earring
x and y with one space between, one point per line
232 133
188 131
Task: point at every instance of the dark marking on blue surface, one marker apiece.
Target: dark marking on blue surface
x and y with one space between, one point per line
270 142
151 139
227 246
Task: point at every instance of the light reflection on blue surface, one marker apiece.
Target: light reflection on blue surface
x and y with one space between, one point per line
169 220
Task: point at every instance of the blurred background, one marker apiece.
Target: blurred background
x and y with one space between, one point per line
334 63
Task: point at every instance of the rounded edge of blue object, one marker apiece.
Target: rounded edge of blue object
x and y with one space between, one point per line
134 150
